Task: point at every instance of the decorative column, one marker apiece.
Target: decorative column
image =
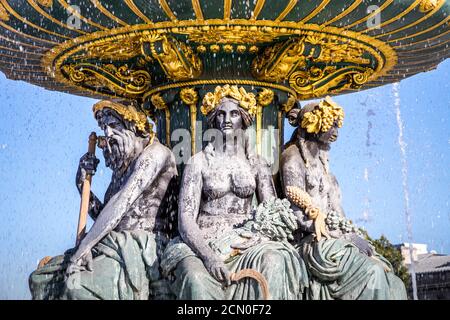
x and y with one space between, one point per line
285 108
159 103
265 97
190 97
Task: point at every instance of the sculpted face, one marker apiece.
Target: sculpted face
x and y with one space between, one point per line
228 118
330 136
292 117
113 127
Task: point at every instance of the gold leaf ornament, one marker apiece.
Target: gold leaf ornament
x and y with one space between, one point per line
322 118
312 122
158 101
129 113
265 97
189 96
211 100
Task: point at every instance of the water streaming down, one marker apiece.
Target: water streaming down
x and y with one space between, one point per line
402 145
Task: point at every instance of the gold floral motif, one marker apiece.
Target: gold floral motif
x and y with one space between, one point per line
228 48
253 49
129 113
120 80
206 82
265 97
241 49
189 96
212 99
322 118
201 49
4 15
214 48
158 101
428 5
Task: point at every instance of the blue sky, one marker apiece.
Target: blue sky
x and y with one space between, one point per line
44 133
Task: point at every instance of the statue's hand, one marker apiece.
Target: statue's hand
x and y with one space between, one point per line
319 222
78 264
363 245
88 165
254 240
218 270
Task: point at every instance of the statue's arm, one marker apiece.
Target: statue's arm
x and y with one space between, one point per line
264 182
334 197
95 206
147 168
189 206
88 164
293 174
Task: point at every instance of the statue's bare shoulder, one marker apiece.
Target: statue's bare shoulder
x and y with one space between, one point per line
160 155
291 158
291 153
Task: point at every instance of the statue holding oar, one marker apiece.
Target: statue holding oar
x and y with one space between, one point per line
118 258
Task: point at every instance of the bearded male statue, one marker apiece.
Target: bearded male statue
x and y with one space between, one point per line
119 257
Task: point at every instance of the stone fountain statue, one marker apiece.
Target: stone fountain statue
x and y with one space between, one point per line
119 257
163 59
218 232
340 263
232 227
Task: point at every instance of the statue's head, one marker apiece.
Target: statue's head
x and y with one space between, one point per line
229 109
292 116
320 121
123 127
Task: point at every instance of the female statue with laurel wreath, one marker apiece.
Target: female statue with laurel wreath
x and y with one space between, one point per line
217 231
342 265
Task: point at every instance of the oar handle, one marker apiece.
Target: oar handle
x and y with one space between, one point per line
85 194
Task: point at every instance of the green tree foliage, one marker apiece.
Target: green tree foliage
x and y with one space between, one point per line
392 254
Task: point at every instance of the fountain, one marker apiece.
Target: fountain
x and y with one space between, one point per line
163 57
